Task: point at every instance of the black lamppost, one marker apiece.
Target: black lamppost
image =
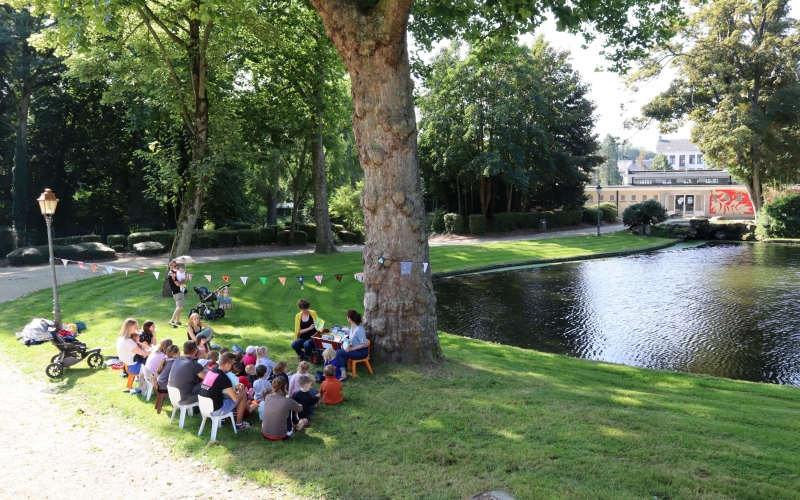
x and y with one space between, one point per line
47 203
599 192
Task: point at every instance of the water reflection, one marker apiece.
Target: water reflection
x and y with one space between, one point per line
724 310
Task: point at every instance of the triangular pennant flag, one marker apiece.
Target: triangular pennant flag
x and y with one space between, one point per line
64 261
319 279
80 264
282 280
208 277
424 267
126 272
244 280
141 272
94 268
156 273
188 277
226 278
109 269
359 277
338 277
263 280
405 267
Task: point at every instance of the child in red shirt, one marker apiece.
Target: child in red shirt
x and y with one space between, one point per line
331 388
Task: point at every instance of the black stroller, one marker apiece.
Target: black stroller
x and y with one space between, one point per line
70 353
211 305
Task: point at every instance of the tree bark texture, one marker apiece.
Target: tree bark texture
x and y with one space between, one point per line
19 172
272 205
322 216
399 310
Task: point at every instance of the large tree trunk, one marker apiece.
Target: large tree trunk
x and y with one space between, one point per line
399 310
19 172
321 215
756 192
272 205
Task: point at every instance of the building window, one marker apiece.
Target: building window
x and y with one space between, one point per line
644 197
591 197
667 181
611 198
682 160
687 181
622 198
672 159
712 181
699 159
643 181
691 159
601 197
633 197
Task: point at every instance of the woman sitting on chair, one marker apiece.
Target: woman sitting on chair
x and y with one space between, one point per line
127 349
304 329
358 348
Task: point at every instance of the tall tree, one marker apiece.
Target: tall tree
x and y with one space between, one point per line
737 81
400 310
608 172
23 68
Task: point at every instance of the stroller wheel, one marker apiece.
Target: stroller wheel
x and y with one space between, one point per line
210 315
219 313
55 358
95 360
54 370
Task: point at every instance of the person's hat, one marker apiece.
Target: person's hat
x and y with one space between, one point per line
251 349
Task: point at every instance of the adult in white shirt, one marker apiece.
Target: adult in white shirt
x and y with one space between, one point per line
128 349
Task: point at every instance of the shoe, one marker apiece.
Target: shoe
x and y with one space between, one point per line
242 426
126 390
301 424
135 392
179 323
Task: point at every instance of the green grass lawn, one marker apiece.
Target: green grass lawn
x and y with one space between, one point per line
491 417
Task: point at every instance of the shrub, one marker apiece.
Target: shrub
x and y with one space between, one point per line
59 242
114 240
92 238
590 215
148 248
527 220
118 248
435 221
646 212
610 212
242 225
28 256
477 224
453 223
345 204
226 239
300 238
573 217
337 227
85 251
8 240
359 236
503 222
310 230
266 235
781 218
164 237
347 237
74 240
247 237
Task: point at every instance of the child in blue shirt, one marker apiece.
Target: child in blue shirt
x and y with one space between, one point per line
329 355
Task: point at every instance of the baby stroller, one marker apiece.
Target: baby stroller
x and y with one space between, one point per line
71 352
208 307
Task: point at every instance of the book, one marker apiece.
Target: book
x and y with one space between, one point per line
319 324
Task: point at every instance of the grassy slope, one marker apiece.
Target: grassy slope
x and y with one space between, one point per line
491 417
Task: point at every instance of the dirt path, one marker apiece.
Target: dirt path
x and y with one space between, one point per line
60 450
20 281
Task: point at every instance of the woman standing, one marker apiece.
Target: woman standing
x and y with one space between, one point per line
357 348
197 329
304 329
127 349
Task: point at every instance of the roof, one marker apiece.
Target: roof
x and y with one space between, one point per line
668 145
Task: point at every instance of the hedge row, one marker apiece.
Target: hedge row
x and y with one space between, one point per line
88 238
8 240
145 248
115 240
511 221
477 224
300 238
29 256
453 223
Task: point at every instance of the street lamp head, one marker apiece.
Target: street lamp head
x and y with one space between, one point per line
599 190
47 202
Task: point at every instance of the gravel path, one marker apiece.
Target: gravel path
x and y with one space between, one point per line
20 281
56 449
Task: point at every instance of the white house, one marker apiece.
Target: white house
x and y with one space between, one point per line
681 154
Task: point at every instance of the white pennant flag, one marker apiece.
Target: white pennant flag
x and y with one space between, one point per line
244 280
126 272
64 261
208 277
109 269
156 273
424 267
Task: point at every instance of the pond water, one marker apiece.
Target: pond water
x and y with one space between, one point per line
727 310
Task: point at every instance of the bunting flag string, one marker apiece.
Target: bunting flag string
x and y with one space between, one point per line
208 277
263 280
244 280
282 279
338 277
64 261
300 279
226 278
80 264
94 268
424 267
141 272
126 272
109 269
319 279
156 274
359 277
189 277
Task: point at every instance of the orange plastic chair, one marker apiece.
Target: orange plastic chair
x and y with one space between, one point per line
131 377
354 362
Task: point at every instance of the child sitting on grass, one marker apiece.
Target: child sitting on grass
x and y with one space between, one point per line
263 359
250 373
331 388
305 397
266 391
280 371
213 356
303 368
261 383
329 355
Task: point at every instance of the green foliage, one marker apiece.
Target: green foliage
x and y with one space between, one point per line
590 215
114 240
300 238
8 240
148 248
348 237
610 211
29 256
247 237
163 237
345 203
59 241
661 162
503 222
477 224
226 239
781 218
608 172
310 230
92 238
453 223
266 235
85 251
436 221
73 240
646 212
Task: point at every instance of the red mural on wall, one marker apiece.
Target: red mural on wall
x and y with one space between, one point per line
730 202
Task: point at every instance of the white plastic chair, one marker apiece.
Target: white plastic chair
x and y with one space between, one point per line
206 410
146 382
175 398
